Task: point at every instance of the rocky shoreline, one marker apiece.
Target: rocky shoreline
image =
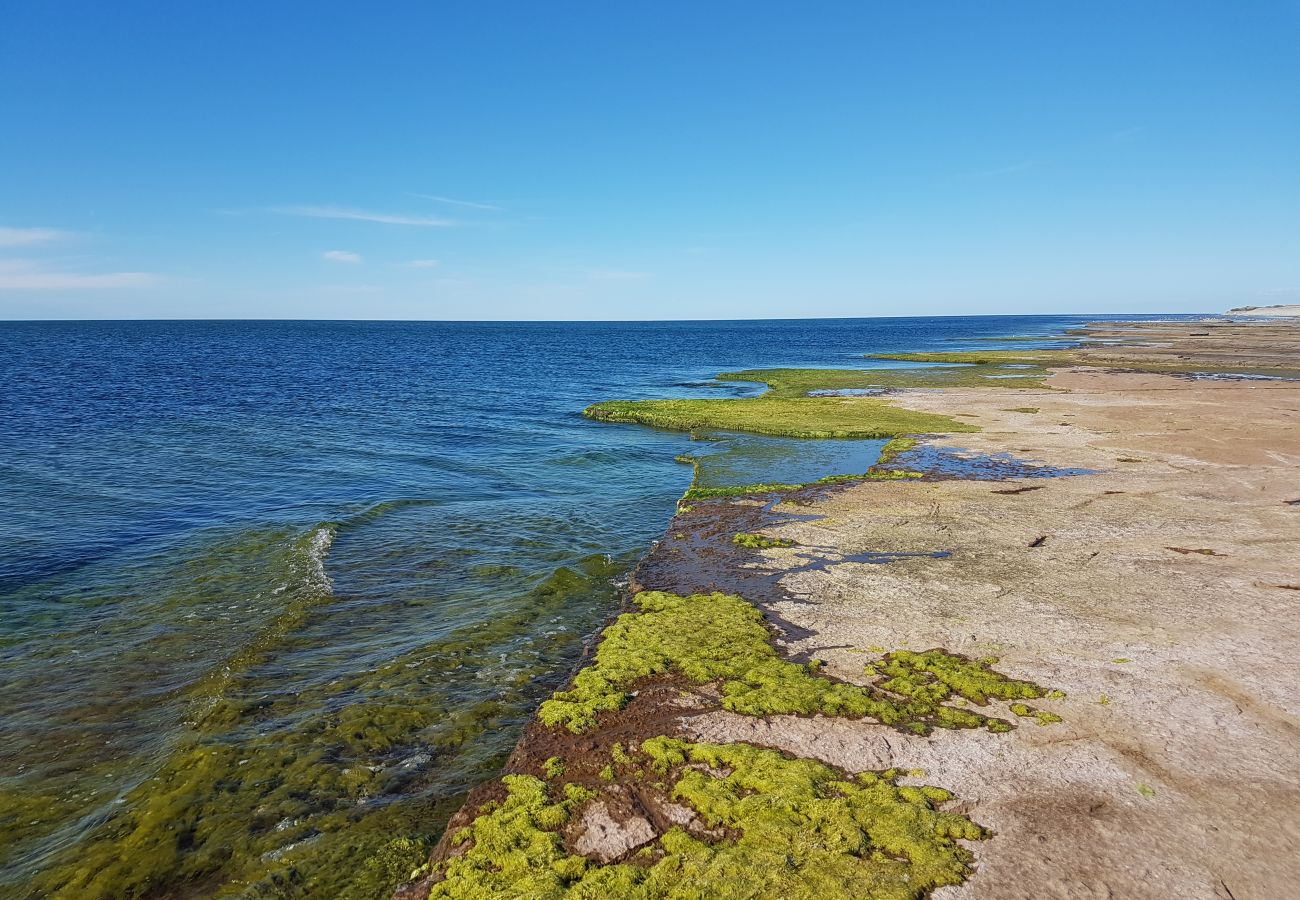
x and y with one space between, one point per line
1056 664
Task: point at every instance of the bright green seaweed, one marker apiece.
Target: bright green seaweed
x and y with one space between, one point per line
759 542
721 638
807 417
793 829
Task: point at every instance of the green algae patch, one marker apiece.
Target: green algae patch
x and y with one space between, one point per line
896 446
985 358
804 417
1025 711
791 828
937 674
888 475
741 490
759 542
745 490
515 848
721 638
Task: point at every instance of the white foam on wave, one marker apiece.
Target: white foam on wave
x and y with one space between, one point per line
306 567
317 549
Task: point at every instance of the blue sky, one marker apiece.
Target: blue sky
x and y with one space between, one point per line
600 160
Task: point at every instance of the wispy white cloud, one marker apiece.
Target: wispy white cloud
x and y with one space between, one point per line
361 215
25 237
32 275
467 203
424 263
342 256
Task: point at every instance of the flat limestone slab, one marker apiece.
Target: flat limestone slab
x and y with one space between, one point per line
1162 594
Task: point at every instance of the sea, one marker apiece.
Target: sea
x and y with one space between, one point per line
275 595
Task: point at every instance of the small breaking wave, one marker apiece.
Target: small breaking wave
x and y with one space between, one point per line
318 547
305 569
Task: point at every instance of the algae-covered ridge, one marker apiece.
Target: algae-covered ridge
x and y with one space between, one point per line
758 823
786 410
735 820
722 639
808 417
762 825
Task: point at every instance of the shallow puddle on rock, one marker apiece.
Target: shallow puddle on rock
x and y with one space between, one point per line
958 462
732 460
848 392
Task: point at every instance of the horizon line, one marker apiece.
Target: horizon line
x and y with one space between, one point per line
1072 315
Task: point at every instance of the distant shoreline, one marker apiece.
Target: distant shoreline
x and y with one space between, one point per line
1281 310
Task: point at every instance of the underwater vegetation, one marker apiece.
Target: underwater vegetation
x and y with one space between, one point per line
793 829
332 791
722 638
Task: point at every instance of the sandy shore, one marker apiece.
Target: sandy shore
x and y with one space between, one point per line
1160 593
1280 309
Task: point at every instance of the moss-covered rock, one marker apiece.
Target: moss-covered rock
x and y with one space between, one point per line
794 829
721 638
759 542
810 417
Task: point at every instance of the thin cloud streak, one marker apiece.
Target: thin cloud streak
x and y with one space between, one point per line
341 256
25 237
469 203
28 275
361 215
424 263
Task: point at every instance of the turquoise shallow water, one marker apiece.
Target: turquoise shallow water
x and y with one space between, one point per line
274 595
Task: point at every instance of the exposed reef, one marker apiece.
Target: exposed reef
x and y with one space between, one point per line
636 812
745 822
758 722
720 640
808 417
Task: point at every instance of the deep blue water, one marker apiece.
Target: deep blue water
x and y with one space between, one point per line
301 522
